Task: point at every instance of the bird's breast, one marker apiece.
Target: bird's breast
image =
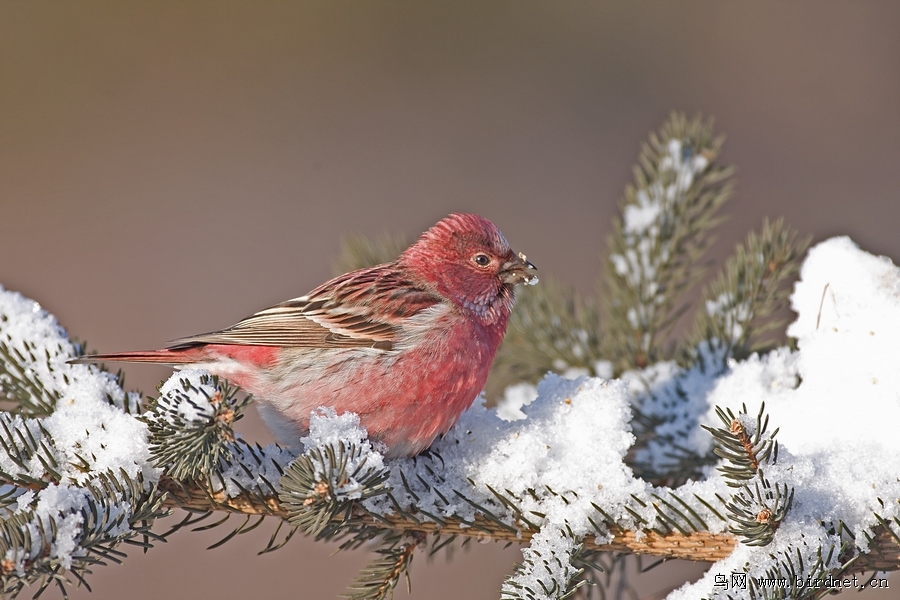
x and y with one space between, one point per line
405 397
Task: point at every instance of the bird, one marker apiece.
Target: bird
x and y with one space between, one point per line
406 345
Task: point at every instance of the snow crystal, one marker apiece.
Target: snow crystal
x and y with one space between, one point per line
88 426
604 369
24 501
326 428
567 453
509 407
188 392
62 504
638 218
85 427
549 550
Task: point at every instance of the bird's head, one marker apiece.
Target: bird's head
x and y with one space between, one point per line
465 259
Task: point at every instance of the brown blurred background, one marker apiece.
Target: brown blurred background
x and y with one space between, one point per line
169 168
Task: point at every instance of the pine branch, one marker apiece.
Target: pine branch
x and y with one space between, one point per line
339 487
702 546
695 546
25 444
94 520
22 387
739 305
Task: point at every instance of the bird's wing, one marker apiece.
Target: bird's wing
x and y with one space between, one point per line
364 308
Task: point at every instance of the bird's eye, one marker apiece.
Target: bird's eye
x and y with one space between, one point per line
482 260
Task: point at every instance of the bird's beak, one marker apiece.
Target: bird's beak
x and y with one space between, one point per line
518 270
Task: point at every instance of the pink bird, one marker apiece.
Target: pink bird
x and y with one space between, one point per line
406 345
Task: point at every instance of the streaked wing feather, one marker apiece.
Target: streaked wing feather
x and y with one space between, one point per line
338 314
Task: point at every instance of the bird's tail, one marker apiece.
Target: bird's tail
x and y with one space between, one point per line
167 357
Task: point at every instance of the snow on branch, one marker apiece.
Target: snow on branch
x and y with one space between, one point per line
86 474
780 463
558 478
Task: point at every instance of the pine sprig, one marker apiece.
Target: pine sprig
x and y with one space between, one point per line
800 573
608 577
20 384
743 444
34 349
24 443
739 305
103 514
755 511
379 579
656 245
190 426
321 487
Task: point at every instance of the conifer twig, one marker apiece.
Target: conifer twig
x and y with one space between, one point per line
656 246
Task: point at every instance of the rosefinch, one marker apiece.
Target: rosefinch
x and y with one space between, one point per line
406 345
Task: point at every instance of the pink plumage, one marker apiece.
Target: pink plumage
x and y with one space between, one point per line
406 345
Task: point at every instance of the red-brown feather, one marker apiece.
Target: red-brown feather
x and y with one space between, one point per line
258 356
169 357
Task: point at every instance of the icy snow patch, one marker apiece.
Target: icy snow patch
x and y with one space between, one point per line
326 427
572 442
88 424
509 407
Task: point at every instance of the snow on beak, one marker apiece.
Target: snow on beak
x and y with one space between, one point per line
518 270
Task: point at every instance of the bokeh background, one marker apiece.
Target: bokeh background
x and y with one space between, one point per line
168 168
